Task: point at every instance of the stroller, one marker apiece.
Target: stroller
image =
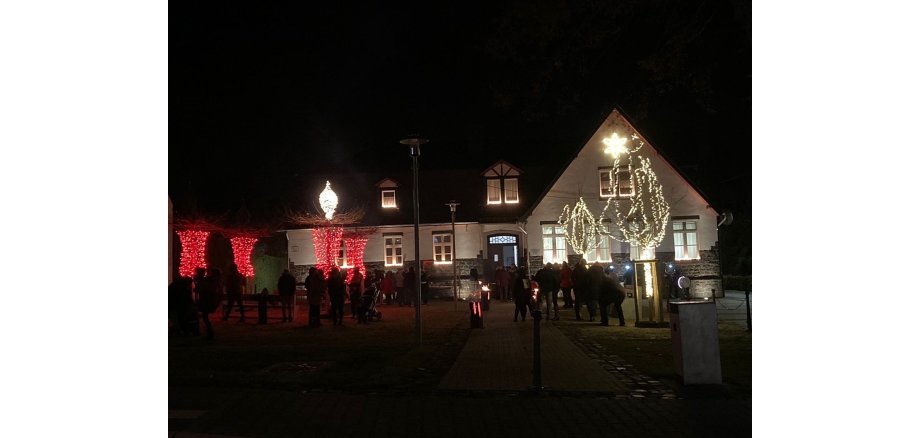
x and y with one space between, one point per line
368 309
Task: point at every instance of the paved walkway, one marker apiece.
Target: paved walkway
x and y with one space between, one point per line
499 357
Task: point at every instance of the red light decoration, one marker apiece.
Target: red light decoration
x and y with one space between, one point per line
242 254
354 251
192 257
326 242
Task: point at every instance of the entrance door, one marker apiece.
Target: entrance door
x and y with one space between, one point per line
504 250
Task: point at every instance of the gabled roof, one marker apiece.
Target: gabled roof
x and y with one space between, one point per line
648 143
501 169
387 183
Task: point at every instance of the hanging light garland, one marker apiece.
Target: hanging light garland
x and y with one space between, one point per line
193 251
583 232
354 252
326 243
242 254
642 219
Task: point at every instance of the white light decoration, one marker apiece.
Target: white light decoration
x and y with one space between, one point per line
328 200
616 145
582 229
643 219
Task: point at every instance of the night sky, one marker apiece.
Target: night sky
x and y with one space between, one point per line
261 96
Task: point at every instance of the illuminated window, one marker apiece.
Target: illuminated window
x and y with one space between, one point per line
392 252
493 191
606 185
601 253
553 244
388 198
502 183
511 190
685 246
443 247
341 258
623 186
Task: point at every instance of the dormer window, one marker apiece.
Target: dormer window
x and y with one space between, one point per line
387 188
502 184
388 198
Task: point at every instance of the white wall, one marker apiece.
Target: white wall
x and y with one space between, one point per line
581 179
467 246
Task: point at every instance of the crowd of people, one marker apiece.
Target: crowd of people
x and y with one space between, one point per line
193 300
592 287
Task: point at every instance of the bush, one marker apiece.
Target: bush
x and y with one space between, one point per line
736 282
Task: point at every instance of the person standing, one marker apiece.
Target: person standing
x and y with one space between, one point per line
287 285
400 283
595 278
337 295
502 280
355 290
580 284
208 291
409 286
618 299
316 291
546 279
520 290
565 282
234 284
386 287
425 288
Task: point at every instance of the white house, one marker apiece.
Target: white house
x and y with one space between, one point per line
513 218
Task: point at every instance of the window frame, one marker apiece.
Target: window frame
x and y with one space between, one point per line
446 248
556 235
686 249
389 243
498 191
383 198
506 191
601 171
601 253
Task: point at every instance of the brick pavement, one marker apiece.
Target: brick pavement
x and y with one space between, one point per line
484 394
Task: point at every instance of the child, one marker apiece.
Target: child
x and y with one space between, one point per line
263 306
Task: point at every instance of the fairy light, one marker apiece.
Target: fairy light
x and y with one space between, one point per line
354 252
649 286
242 254
616 145
328 200
193 247
643 219
326 247
582 230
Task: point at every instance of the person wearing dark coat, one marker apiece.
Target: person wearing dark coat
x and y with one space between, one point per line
336 285
605 297
409 286
234 292
316 291
287 285
355 290
520 291
595 277
182 307
548 284
207 288
618 299
580 283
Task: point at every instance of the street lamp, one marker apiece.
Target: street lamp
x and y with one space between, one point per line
415 141
453 238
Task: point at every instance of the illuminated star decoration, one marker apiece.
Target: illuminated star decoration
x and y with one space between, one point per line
328 200
616 145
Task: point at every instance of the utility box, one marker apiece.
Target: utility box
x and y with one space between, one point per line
695 340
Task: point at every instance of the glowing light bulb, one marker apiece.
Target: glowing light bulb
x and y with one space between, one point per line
328 200
616 145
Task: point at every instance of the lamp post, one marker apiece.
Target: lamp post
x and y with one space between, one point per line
415 142
453 238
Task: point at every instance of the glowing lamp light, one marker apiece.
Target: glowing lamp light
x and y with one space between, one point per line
328 200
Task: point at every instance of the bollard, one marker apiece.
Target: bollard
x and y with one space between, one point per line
537 370
747 302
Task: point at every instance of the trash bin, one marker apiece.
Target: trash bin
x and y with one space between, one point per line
695 341
475 314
